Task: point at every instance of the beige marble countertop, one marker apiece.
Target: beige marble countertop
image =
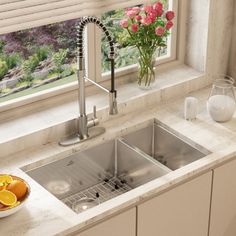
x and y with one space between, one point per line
46 215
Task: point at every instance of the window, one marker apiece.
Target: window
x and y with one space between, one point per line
30 64
43 57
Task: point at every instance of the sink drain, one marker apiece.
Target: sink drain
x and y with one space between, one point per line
84 204
58 187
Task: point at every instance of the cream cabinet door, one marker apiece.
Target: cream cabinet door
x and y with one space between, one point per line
123 224
223 208
182 211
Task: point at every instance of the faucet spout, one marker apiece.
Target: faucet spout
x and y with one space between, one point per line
83 122
81 65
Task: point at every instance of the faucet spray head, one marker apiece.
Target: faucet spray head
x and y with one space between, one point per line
112 103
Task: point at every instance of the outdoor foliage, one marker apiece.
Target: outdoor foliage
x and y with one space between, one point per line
3 68
124 55
21 53
59 58
43 52
12 60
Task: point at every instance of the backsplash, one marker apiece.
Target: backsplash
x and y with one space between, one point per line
41 128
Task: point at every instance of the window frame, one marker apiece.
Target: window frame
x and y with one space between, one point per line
94 65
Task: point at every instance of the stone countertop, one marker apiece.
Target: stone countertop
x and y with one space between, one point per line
44 214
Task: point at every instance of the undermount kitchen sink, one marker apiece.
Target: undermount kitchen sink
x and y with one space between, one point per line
88 178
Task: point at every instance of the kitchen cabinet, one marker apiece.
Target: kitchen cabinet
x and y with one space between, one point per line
182 211
123 224
223 207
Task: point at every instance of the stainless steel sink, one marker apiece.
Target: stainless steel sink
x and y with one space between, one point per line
93 176
166 146
98 174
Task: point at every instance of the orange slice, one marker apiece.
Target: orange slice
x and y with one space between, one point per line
2 186
6 179
7 198
16 204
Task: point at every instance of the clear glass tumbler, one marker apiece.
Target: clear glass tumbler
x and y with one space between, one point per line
221 103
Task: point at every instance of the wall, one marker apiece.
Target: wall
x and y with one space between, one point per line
219 36
197 31
232 56
209 32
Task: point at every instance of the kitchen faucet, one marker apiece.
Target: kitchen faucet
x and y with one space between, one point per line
84 124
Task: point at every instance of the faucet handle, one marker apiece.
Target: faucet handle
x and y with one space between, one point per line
93 121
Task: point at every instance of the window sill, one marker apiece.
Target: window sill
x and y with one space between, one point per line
55 119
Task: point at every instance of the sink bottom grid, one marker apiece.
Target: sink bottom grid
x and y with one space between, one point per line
97 194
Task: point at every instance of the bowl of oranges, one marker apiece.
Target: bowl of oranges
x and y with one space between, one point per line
13 194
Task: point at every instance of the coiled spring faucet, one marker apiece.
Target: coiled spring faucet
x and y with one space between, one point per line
83 122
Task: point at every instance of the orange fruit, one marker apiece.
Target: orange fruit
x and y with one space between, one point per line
18 187
7 198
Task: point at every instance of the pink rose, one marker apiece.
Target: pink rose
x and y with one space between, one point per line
146 21
160 30
138 18
170 15
158 8
159 12
136 10
152 16
169 25
124 23
148 8
134 27
130 13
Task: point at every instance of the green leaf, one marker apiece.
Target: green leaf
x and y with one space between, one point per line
162 45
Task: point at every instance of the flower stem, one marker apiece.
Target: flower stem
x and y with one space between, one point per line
146 71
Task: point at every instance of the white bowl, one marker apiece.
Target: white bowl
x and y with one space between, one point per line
7 211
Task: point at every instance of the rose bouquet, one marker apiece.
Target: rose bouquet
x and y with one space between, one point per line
147 28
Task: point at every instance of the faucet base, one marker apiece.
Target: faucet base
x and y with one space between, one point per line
74 139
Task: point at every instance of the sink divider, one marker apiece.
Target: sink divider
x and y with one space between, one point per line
144 154
135 166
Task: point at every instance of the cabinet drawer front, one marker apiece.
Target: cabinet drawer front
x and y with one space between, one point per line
121 225
223 208
182 211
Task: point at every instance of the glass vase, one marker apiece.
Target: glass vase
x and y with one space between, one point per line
221 103
146 71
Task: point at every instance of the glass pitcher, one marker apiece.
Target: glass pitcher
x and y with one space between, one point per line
221 103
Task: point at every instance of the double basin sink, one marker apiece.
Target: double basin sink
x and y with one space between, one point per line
91 177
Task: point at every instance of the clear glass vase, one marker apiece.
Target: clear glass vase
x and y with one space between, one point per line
146 71
221 103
